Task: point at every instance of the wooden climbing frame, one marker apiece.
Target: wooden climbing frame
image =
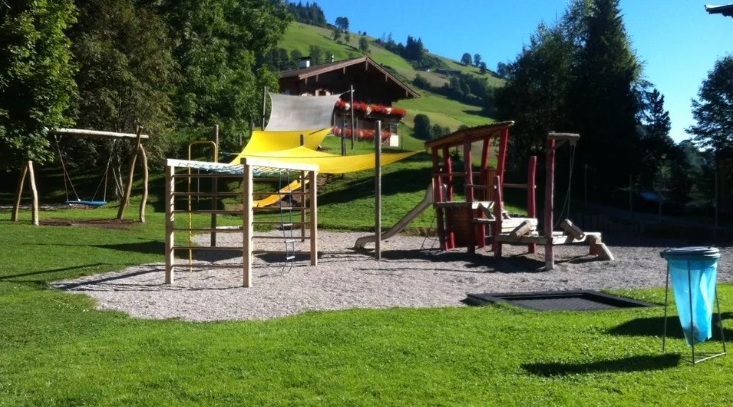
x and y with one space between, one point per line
245 173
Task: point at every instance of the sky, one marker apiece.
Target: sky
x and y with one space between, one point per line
677 40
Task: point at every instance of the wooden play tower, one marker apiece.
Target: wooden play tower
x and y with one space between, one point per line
476 216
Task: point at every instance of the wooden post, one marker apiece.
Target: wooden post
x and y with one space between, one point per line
353 117
19 193
133 160
549 202
552 139
247 223
438 197
532 195
468 180
378 192
264 106
498 216
501 158
304 203
214 188
34 192
144 200
343 134
26 172
313 199
170 225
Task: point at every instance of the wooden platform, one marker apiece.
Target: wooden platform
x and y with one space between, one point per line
558 238
508 224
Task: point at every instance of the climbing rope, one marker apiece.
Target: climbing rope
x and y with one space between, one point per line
104 179
69 184
67 178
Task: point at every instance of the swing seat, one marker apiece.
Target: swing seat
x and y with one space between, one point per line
87 204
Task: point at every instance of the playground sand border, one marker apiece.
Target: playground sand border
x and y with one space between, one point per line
412 273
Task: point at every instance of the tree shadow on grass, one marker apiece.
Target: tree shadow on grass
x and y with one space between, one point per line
654 326
51 271
92 284
483 262
147 247
628 364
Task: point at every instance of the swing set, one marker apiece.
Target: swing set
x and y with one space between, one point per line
87 204
139 150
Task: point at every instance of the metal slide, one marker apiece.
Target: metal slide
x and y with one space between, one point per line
426 202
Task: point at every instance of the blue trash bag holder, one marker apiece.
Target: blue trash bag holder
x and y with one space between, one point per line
693 272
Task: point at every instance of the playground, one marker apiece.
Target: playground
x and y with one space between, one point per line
413 273
398 330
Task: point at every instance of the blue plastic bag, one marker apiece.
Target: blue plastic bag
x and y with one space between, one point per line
693 271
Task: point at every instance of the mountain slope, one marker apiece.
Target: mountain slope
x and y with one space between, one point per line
440 109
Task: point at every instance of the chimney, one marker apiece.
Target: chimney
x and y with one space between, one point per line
305 62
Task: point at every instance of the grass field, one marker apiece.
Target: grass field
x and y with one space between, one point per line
56 349
444 112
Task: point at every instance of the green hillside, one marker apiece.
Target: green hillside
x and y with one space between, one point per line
441 110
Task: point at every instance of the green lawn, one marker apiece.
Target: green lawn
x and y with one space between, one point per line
57 350
445 112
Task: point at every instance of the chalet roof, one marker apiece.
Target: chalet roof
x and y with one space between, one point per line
305 73
471 133
726 10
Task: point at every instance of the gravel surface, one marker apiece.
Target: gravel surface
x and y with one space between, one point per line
412 273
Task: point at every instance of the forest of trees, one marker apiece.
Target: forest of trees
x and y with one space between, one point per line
175 67
413 51
581 75
424 130
308 13
180 67
279 59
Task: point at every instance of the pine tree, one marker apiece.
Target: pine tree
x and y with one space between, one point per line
713 110
604 103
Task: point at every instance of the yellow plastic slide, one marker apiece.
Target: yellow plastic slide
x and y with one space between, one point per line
284 146
275 198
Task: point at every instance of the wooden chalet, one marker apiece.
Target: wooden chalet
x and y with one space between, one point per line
374 91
